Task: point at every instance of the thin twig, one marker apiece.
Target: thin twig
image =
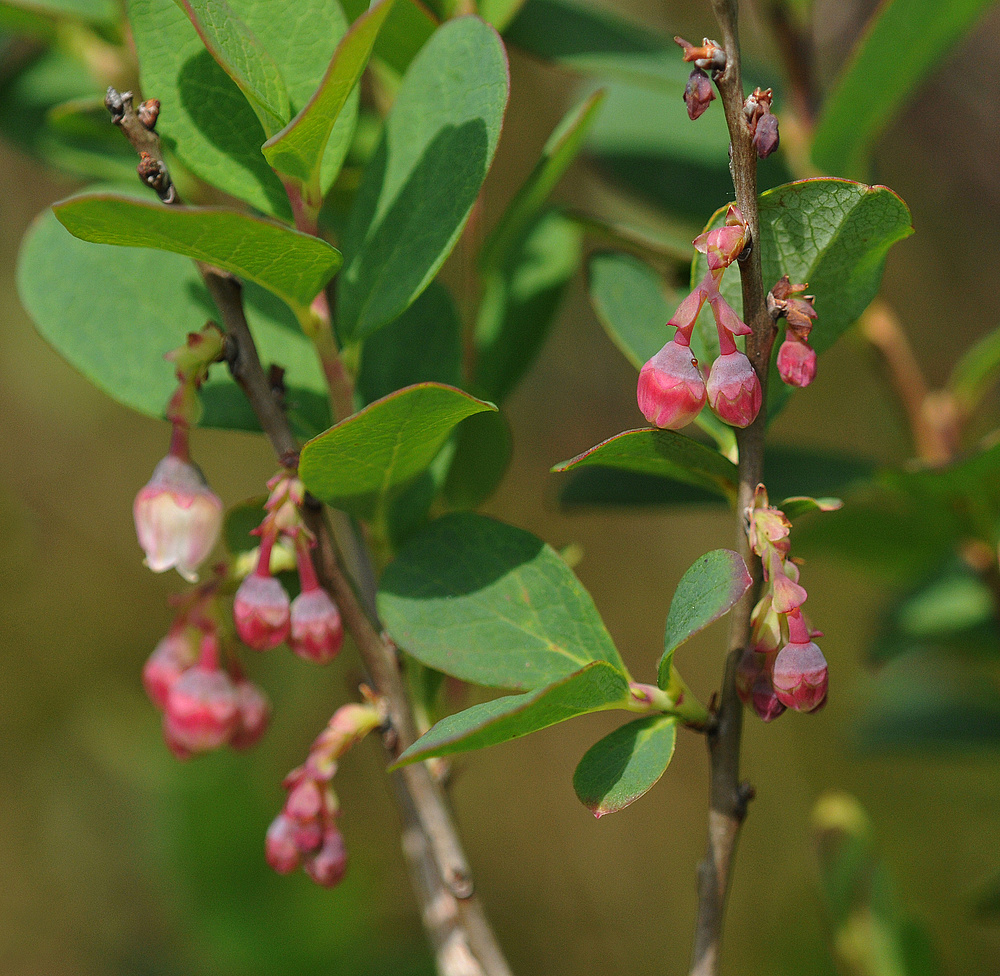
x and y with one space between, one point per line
464 942
728 795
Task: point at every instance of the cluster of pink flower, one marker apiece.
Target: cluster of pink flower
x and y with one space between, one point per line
782 668
305 833
672 390
178 519
796 358
205 703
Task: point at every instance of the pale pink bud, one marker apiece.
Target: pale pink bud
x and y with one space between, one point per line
201 710
733 389
796 363
280 848
800 676
262 612
328 865
316 631
671 390
177 518
171 658
253 713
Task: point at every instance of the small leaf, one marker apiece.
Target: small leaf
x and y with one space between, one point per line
292 265
424 345
354 464
408 28
297 150
665 453
976 372
558 153
113 312
833 234
800 504
710 588
241 55
520 301
594 688
915 34
492 604
418 190
616 771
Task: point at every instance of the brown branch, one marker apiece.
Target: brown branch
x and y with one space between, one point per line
728 795
464 942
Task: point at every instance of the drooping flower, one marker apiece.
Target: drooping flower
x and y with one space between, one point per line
800 671
316 630
733 389
261 608
796 362
671 390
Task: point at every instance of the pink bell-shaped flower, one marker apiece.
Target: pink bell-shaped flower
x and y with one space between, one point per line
177 518
800 676
734 392
796 363
671 390
280 847
202 708
261 608
316 631
253 714
177 652
328 865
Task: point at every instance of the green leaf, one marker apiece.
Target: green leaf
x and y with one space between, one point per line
972 483
491 604
499 13
408 29
587 38
606 486
113 312
799 505
424 345
292 265
616 771
976 372
558 153
956 601
520 301
628 297
204 117
418 190
710 588
833 234
241 55
665 453
297 151
482 453
354 464
594 688
915 34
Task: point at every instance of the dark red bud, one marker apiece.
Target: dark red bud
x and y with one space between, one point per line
765 137
698 93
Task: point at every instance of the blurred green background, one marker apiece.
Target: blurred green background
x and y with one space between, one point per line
116 859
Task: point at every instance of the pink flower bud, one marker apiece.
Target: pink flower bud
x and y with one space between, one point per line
733 389
671 390
280 848
177 518
253 714
753 684
262 612
800 676
328 865
202 709
316 631
796 363
698 94
172 657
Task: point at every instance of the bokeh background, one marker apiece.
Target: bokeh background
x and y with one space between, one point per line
117 859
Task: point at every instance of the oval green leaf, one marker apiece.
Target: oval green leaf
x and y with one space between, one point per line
710 588
354 465
492 604
621 767
594 688
419 188
297 150
665 453
833 234
917 33
292 265
242 56
113 312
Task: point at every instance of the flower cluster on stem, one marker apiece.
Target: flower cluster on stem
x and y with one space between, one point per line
796 358
672 390
783 667
305 833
